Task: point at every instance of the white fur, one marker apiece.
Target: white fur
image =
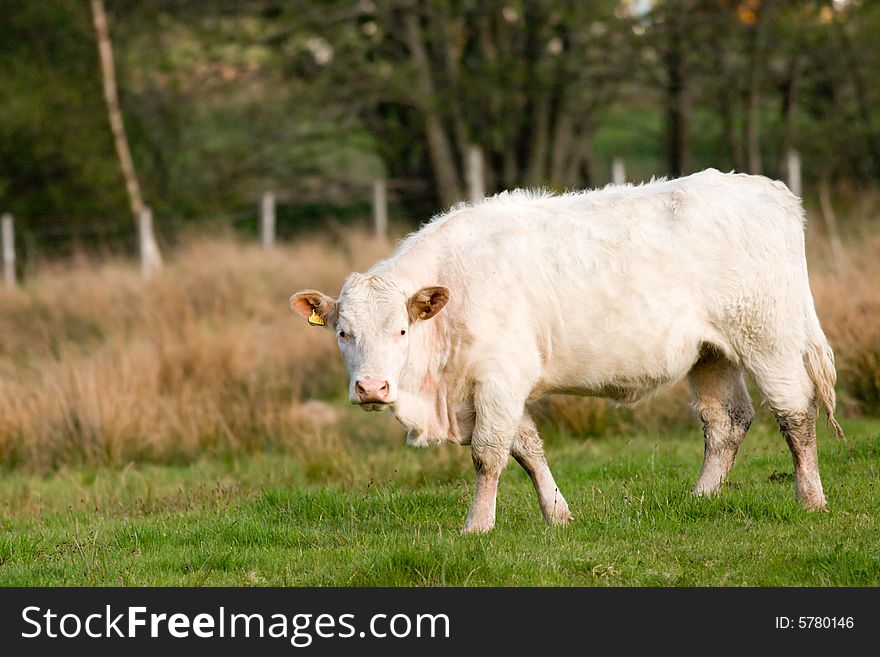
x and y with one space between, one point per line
609 292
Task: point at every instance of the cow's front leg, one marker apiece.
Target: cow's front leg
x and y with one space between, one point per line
489 461
528 450
497 418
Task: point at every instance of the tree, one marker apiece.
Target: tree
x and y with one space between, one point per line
676 20
58 172
523 81
111 96
755 14
847 34
224 99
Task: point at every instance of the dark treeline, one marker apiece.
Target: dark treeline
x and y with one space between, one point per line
315 98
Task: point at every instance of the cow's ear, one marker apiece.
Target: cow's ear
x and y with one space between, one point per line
427 302
315 307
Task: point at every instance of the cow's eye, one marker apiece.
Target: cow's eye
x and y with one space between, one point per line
343 334
403 331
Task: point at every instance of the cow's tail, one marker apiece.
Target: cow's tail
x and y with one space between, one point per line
819 360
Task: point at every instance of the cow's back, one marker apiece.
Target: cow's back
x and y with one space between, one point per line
628 280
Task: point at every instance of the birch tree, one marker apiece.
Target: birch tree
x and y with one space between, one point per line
114 114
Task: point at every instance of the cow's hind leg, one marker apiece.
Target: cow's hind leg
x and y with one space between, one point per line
784 381
724 406
528 450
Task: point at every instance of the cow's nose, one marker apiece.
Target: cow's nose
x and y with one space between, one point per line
370 390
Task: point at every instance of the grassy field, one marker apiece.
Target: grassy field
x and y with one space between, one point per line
390 515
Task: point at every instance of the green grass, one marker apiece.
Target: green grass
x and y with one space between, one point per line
394 520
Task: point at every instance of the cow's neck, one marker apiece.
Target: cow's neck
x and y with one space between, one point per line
423 404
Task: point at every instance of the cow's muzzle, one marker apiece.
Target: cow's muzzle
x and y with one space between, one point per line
372 393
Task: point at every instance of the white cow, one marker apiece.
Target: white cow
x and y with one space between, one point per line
618 293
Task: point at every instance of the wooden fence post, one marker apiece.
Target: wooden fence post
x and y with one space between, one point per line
151 259
380 209
793 169
618 171
830 218
8 250
267 220
476 177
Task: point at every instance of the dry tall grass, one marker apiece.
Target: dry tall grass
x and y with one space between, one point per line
98 367
848 302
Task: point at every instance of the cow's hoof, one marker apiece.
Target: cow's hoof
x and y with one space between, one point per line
701 492
706 490
809 493
558 517
559 520
473 527
815 504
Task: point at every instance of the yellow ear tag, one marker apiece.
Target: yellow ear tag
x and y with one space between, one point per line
314 318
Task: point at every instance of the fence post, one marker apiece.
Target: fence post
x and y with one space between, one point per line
151 259
830 218
618 171
267 220
476 177
793 167
380 208
8 250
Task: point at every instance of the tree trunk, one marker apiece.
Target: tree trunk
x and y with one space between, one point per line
729 104
509 167
587 169
863 102
105 50
731 132
678 109
449 187
753 145
753 102
789 101
451 46
579 169
536 171
563 143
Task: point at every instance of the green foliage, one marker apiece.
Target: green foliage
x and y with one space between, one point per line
314 99
56 155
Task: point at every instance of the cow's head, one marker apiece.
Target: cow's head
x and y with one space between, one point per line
372 319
